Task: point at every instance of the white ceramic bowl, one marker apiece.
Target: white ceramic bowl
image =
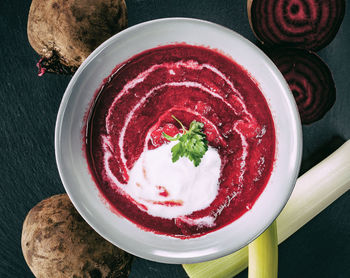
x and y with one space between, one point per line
83 192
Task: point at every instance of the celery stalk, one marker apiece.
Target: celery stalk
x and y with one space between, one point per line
263 255
313 192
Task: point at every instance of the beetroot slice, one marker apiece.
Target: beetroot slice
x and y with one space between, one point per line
310 24
309 79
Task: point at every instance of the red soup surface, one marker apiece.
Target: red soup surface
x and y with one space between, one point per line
135 105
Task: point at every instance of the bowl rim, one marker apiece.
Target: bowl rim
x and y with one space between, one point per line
58 133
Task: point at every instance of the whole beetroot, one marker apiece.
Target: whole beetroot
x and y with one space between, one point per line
65 32
57 242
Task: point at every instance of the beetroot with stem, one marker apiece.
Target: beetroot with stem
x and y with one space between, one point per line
65 32
309 79
309 24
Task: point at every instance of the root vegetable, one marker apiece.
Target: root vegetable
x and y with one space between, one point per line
57 242
309 79
65 32
306 24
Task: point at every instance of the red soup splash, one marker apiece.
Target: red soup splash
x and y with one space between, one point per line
135 105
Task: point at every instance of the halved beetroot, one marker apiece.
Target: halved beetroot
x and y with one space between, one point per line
309 79
309 24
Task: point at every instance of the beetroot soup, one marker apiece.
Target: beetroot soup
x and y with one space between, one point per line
131 161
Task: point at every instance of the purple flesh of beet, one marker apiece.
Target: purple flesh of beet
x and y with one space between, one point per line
308 24
309 79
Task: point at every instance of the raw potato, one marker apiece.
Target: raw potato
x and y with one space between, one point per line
57 242
65 32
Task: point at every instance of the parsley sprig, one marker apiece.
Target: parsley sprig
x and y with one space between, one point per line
192 143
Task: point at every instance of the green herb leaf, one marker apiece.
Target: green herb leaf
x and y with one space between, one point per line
192 143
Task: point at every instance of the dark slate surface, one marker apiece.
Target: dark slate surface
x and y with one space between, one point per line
28 107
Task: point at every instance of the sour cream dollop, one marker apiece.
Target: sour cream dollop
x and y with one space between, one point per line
170 190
